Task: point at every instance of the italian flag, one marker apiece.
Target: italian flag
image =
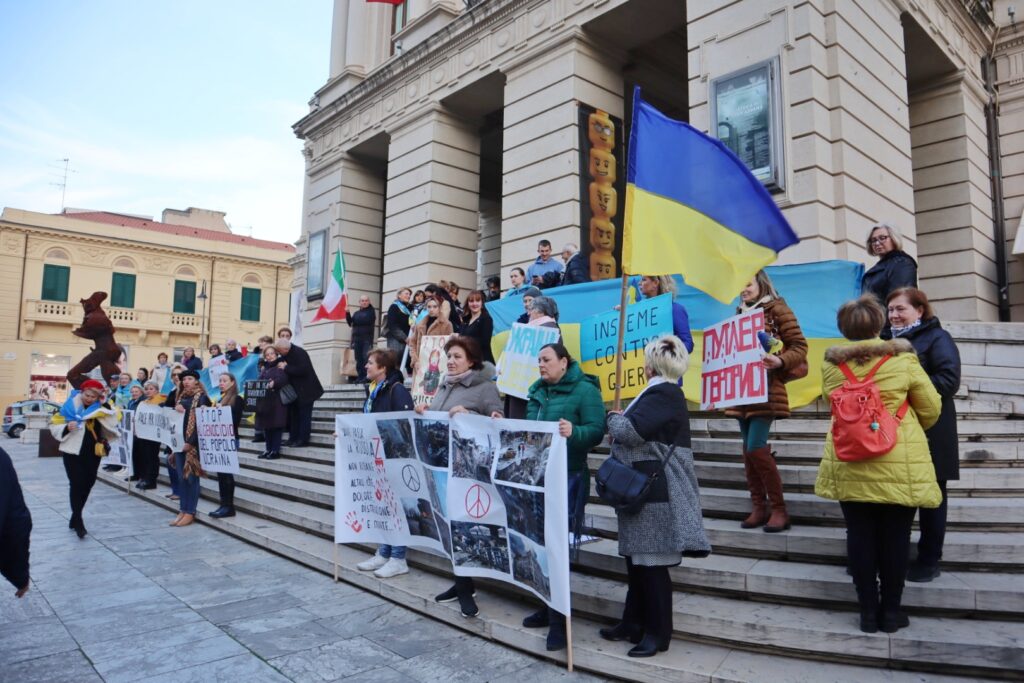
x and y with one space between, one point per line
335 300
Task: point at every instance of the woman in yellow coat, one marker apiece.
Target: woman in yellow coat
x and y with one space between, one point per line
879 495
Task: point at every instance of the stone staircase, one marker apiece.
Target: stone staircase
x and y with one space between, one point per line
762 607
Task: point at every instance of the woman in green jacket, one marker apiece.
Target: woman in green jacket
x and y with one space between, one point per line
879 496
566 395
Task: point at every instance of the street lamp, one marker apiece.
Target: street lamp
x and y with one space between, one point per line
202 329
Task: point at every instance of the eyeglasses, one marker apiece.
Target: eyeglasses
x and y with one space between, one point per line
879 239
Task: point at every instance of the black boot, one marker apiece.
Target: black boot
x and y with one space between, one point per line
623 631
223 511
538 619
80 528
556 632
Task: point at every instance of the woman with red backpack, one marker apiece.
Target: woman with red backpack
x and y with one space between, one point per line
876 461
763 478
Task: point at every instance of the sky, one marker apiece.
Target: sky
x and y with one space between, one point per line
160 105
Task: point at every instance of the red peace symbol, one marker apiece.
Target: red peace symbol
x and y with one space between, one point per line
478 501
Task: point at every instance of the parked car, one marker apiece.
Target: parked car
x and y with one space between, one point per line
14 416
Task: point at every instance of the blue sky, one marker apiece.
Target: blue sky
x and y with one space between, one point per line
161 104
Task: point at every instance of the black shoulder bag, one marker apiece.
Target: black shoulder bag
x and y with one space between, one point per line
624 487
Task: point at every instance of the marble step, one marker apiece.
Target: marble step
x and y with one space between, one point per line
958 646
981 453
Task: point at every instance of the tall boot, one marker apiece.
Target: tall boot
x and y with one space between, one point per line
657 596
759 506
764 464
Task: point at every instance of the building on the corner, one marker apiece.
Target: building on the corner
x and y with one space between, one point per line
155 274
450 135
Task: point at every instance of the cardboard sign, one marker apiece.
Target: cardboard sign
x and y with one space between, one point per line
517 367
432 368
255 389
161 424
599 336
217 452
732 373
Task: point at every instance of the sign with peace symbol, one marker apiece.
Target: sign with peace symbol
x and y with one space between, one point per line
411 478
478 501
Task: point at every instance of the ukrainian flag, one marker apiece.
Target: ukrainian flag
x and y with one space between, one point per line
692 207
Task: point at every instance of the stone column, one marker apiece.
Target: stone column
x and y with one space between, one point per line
339 36
540 159
433 202
1010 72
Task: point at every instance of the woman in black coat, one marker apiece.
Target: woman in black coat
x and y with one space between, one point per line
301 375
477 323
911 318
894 269
271 414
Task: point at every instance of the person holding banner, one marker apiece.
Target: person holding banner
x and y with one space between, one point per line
271 413
653 436
84 426
541 311
225 480
656 285
755 420
468 388
435 324
190 396
387 394
566 395
477 323
146 453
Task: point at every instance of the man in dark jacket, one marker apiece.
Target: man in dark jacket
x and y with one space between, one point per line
362 322
398 322
576 270
15 527
307 386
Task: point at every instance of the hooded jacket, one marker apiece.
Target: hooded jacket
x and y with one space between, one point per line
905 475
576 398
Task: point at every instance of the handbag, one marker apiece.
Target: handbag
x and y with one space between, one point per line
623 487
288 394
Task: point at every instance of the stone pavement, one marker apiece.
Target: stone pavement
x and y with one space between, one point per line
137 600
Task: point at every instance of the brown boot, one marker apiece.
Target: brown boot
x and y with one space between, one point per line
765 465
759 512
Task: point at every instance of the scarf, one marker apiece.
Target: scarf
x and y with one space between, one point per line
193 467
374 390
744 307
451 380
73 411
900 331
402 307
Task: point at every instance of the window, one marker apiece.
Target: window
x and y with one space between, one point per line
122 290
184 297
315 264
55 282
251 304
399 18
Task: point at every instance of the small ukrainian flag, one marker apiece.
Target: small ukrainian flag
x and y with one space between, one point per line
693 208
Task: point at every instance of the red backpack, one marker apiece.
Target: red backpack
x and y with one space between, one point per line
862 427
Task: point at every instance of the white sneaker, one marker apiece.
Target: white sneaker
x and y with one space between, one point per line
375 562
394 567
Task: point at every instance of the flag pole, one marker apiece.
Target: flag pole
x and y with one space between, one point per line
617 405
335 560
568 638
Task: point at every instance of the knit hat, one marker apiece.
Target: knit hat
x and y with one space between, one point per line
189 373
93 384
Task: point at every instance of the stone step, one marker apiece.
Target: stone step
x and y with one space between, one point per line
986 453
971 647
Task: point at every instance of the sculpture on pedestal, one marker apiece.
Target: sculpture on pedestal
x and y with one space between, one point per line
96 326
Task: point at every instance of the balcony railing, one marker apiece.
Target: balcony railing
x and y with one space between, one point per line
40 311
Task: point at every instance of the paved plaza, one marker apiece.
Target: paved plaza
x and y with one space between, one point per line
137 600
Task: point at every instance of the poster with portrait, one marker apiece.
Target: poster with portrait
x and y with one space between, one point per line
120 454
431 369
602 191
489 494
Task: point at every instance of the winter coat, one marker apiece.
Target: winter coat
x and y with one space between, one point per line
15 525
193 363
476 393
398 326
481 329
894 270
940 358
302 376
440 327
576 398
270 412
80 441
232 355
362 323
656 427
905 475
391 396
190 403
159 374
781 323
576 270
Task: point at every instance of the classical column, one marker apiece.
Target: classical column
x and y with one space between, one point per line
339 36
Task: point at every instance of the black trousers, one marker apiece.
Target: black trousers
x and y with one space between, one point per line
649 601
146 460
300 422
877 547
933 532
81 471
362 353
226 488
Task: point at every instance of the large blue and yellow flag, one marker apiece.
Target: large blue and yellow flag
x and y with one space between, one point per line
692 207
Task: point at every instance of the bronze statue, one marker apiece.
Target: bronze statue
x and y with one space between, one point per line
96 326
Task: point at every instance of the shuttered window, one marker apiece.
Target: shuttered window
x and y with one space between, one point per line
184 297
251 304
55 282
122 290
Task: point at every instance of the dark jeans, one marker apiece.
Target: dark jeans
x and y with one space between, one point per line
189 487
362 349
933 532
172 474
81 471
300 423
226 488
877 547
648 601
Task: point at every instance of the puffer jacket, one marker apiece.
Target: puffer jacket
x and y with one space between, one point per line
576 398
781 323
905 475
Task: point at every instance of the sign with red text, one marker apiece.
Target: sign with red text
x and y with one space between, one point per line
732 374
217 451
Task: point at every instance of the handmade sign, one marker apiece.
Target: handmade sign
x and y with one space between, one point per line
517 367
599 336
488 494
162 424
255 389
121 448
431 369
732 373
217 367
217 452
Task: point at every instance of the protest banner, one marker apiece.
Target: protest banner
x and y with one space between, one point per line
488 494
216 431
162 424
255 389
430 372
217 367
732 373
645 320
121 448
517 367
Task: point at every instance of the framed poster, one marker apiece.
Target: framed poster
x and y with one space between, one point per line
316 264
746 116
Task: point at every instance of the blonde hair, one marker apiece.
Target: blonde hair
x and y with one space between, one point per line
666 356
764 285
667 285
894 236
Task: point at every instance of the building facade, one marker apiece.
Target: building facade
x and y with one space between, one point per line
449 137
156 275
